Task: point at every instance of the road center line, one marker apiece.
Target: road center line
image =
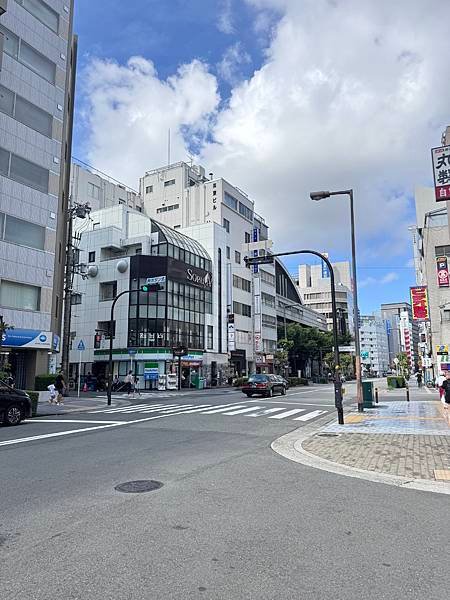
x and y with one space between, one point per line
38 420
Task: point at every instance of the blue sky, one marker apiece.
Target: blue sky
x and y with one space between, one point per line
279 102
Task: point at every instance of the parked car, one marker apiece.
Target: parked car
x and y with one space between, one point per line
265 385
15 405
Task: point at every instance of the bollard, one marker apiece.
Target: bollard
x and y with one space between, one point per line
407 393
376 395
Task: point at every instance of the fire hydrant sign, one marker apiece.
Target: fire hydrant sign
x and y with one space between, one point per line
441 171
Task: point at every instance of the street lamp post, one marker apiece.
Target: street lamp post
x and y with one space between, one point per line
110 360
337 375
320 196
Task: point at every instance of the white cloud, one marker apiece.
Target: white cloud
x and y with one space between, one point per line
225 20
388 278
352 94
229 67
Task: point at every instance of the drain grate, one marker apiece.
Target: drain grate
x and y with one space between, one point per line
328 435
138 487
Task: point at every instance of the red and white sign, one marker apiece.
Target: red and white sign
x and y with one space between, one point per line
441 171
443 275
419 303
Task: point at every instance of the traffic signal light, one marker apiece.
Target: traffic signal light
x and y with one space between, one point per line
151 287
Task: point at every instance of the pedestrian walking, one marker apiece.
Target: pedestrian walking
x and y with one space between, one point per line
445 398
439 381
136 387
129 382
51 388
419 379
60 386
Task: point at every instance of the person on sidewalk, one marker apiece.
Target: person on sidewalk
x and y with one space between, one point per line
419 378
439 381
446 386
129 383
60 385
51 388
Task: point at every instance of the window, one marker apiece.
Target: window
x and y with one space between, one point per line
104 327
164 209
91 257
34 117
267 277
245 211
28 173
107 291
228 252
6 101
230 201
237 257
93 191
442 250
247 237
241 284
75 299
10 42
4 162
24 233
268 300
269 321
242 309
226 225
37 62
209 337
149 189
42 12
169 182
19 295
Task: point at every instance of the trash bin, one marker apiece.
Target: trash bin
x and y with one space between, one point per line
367 390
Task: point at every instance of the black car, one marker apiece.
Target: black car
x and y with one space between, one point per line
266 385
284 380
15 405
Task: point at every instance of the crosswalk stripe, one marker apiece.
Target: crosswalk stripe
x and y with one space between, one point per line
266 411
288 413
221 408
241 411
170 409
121 409
142 407
199 408
311 415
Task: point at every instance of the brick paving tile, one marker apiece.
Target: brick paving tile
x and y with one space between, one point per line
415 456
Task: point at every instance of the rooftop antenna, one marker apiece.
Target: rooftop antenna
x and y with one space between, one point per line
191 158
168 148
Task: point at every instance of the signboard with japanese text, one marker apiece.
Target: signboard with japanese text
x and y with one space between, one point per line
443 275
419 303
441 172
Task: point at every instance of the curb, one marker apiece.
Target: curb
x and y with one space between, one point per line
290 446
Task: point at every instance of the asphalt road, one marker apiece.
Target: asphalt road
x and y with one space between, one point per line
233 520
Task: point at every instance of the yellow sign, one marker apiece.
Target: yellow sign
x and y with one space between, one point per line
442 349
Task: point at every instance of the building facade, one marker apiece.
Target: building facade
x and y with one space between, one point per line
37 65
314 287
403 332
374 345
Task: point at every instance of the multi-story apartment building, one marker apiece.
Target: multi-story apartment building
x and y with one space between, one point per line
90 186
374 345
314 287
402 331
37 65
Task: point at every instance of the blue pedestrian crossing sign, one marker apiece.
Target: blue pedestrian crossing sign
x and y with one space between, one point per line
81 346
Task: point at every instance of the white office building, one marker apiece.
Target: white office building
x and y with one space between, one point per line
374 345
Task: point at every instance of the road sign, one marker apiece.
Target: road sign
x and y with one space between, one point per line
154 280
442 349
81 347
259 260
132 351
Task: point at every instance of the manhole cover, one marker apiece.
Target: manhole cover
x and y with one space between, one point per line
328 435
138 487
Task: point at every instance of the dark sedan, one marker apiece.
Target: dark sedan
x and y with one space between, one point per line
15 405
264 385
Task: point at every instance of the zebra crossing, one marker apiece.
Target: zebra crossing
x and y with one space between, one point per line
227 410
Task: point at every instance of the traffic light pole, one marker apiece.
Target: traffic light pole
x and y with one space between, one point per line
337 375
110 361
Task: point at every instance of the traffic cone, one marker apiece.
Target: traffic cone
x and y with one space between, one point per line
85 387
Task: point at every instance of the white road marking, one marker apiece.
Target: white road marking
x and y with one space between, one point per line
222 407
266 411
122 408
289 413
294 403
241 411
199 408
310 415
167 409
38 420
57 434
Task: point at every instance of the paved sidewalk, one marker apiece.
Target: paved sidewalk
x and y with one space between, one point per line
404 439
74 404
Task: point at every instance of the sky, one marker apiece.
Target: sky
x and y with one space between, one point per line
279 97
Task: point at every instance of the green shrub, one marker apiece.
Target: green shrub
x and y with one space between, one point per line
41 382
239 381
396 381
295 381
34 396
